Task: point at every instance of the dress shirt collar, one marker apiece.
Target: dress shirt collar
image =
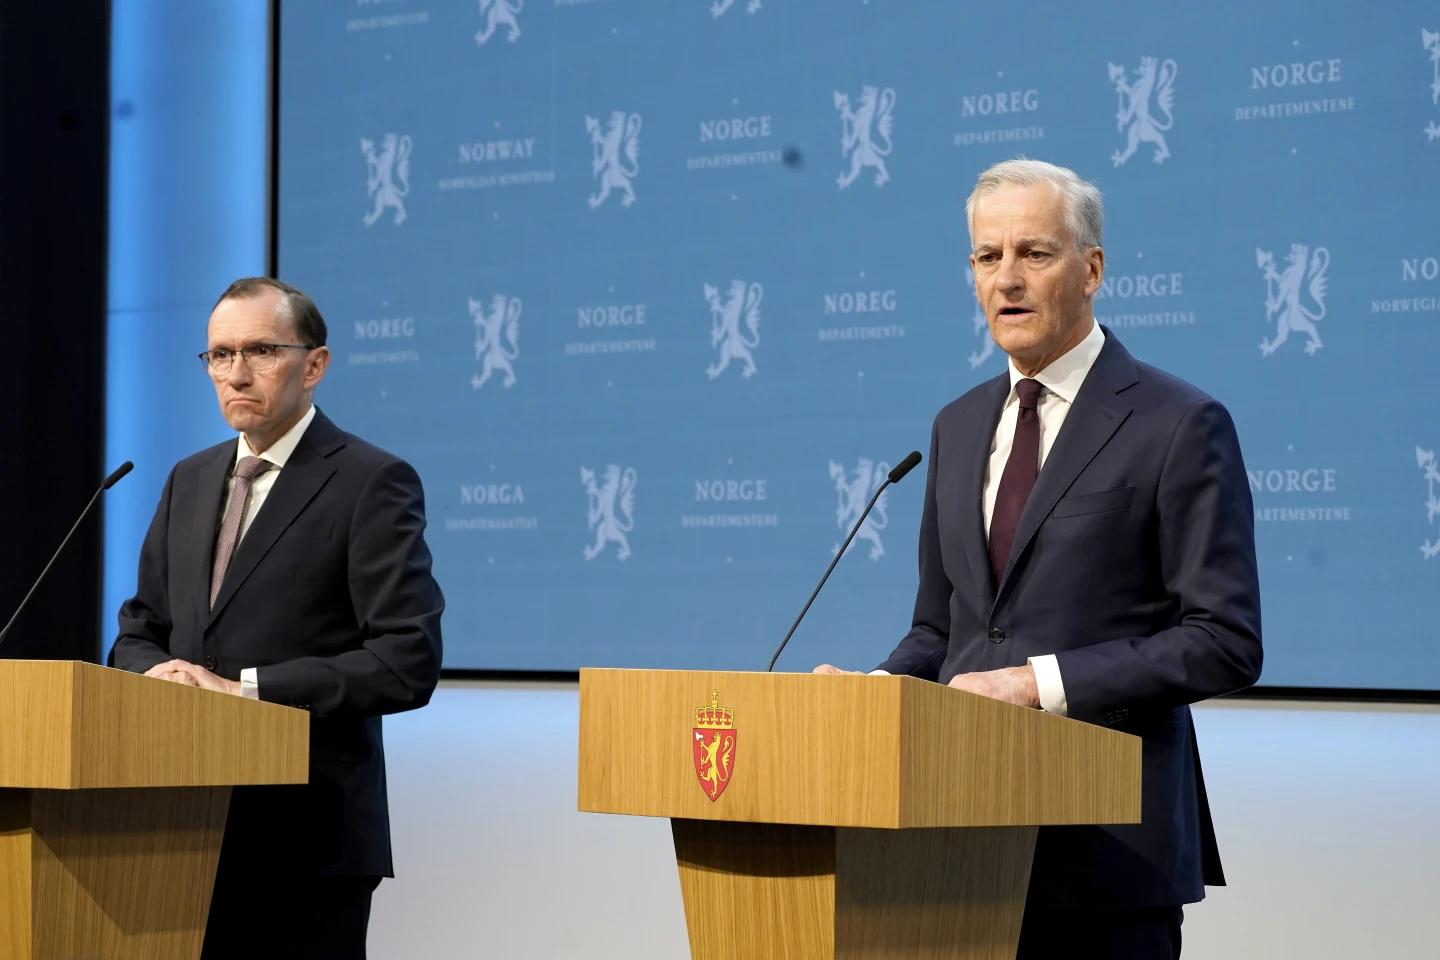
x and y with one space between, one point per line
1067 372
281 449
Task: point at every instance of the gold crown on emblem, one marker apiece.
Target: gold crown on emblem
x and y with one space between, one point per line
715 717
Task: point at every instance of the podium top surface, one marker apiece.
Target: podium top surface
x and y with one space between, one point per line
853 751
70 725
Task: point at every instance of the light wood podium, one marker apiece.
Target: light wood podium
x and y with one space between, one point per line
857 816
113 794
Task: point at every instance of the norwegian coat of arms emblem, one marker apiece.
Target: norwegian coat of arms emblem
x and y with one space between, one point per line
1154 83
713 744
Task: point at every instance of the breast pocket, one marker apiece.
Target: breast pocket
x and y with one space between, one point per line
311 529
1086 504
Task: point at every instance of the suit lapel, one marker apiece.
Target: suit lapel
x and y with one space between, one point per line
1093 419
302 477
976 442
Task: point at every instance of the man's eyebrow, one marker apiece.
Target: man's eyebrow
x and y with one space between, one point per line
1021 242
236 347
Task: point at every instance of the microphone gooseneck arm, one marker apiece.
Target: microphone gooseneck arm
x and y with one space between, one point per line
108 482
901 468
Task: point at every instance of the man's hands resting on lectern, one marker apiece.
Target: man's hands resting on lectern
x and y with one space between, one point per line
193 675
1010 684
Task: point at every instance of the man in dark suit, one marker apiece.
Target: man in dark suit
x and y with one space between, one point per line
1086 548
290 565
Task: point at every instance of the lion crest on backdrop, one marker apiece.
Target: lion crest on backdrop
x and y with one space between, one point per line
866 132
616 160
1289 292
1430 549
497 338
1431 40
719 8
611 510
1154 84
980 327
726 335
497 14
388 180
853 491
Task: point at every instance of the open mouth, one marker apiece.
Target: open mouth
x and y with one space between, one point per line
1015 311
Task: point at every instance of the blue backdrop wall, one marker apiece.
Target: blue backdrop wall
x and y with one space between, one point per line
652 293
188 136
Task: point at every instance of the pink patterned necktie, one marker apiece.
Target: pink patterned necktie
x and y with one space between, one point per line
1018 478
245 473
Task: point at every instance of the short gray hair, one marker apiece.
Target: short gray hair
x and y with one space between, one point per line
1084 213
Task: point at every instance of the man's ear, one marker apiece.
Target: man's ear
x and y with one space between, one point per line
1095 270
317 361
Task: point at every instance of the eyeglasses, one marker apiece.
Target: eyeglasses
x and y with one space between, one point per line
259 357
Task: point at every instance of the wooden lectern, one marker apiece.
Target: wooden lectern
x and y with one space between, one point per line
845 816
113 794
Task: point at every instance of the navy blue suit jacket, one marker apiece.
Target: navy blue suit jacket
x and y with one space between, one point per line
1134 563
330 596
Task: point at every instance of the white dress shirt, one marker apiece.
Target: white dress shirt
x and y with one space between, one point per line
1061 380
277 455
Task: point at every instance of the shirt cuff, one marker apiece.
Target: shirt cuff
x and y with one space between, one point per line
1048 682
250 683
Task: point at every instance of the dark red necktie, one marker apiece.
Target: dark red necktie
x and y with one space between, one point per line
1018 478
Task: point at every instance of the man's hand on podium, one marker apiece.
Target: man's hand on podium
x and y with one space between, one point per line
194 675
1012 685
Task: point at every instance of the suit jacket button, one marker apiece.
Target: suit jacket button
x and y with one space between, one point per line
997 635
209 663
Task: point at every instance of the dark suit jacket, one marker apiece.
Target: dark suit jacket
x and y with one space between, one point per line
1134 563
330 596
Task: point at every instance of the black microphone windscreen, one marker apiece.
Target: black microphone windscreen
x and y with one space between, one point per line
119 473
905 466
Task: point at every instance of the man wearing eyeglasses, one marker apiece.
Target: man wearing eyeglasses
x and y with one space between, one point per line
290 565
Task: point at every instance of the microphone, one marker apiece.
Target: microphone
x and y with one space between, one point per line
105 484
895 476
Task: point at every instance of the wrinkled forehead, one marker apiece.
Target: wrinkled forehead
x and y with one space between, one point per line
1032 209
262 318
